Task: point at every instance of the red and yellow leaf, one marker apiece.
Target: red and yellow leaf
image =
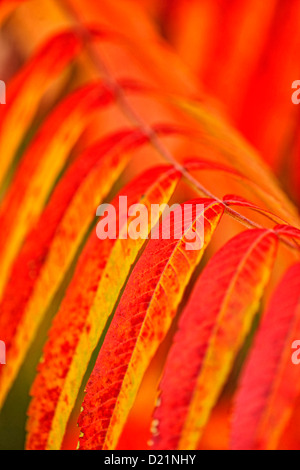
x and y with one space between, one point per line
51 246
142 319
74 336
40 167
26 90
270 382
211 331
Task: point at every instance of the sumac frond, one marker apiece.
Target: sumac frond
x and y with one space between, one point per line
100 109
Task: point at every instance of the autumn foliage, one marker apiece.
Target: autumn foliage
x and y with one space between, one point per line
125 343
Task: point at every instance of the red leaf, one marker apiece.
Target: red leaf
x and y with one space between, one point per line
270 382
211 331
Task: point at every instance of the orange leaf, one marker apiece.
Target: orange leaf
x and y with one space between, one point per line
26 90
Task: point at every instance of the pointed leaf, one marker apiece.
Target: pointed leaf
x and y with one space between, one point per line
211 331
